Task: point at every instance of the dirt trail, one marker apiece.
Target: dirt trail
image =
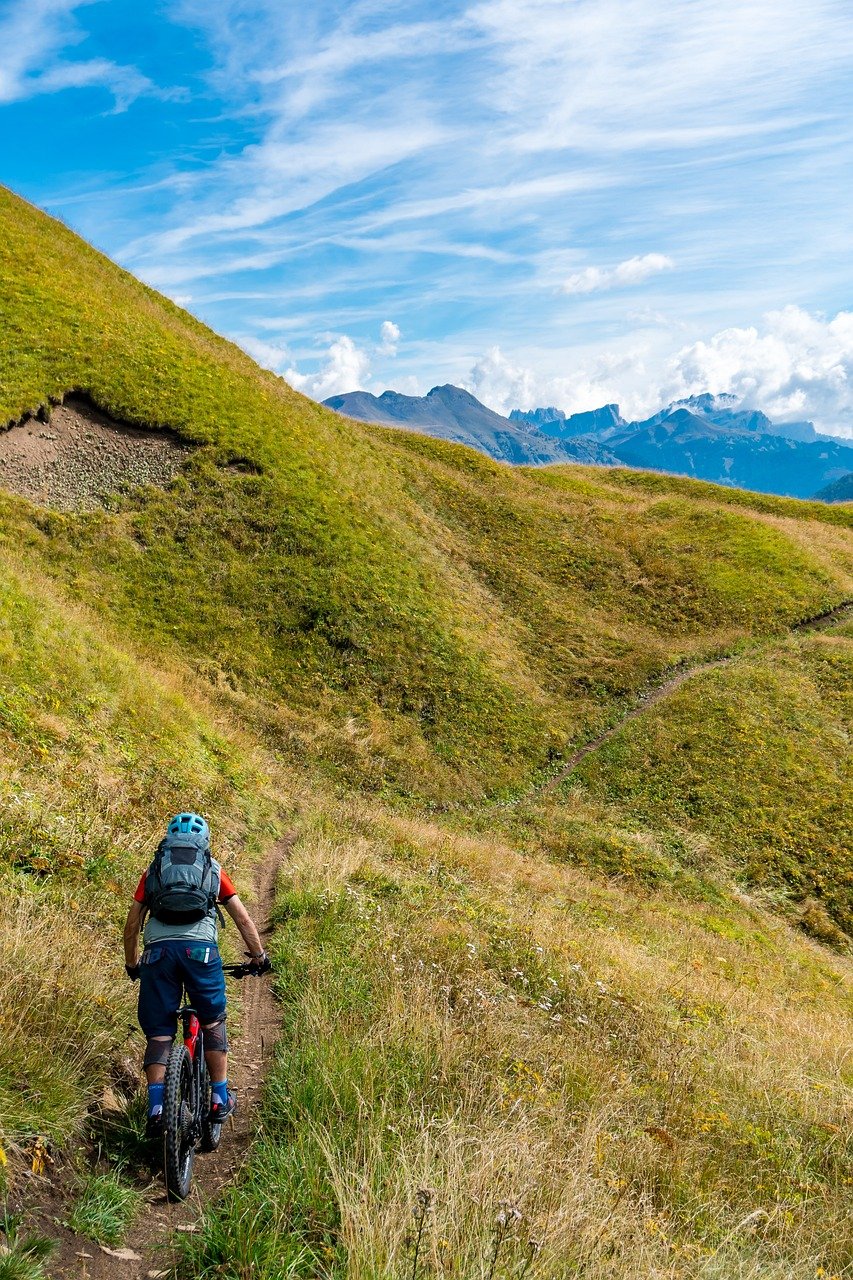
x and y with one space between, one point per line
819 623
148 1240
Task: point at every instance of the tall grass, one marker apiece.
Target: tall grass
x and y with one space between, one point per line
663 1094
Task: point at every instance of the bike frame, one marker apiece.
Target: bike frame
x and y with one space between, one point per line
191 1028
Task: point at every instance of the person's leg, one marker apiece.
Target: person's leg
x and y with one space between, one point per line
205 982
159 997
216 1057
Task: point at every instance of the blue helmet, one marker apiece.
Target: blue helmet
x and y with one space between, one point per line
186 824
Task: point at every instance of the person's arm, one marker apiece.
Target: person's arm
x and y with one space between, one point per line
246 925
132 927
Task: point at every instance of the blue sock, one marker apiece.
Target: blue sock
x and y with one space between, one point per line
220 1092
155 1098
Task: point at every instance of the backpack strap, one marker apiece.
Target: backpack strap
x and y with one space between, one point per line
154 868
214 897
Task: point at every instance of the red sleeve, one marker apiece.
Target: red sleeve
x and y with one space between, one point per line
226 888
139 896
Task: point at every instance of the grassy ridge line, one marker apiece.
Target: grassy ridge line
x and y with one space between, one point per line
97 750
405 613
637 1074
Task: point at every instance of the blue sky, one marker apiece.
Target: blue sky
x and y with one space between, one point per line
547 201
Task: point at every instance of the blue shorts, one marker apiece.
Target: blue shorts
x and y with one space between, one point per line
168 969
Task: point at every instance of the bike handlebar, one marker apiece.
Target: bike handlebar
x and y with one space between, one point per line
240 971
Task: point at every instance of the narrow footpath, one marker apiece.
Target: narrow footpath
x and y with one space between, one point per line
820 622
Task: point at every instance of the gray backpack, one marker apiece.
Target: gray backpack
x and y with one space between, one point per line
182 884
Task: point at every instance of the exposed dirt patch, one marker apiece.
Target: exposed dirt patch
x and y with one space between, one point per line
74 461
148 1250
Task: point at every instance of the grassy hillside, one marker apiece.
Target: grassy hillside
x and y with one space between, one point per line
572 1073
597 1006
408 613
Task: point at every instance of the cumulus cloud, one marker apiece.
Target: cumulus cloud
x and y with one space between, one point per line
345 368
269 355
502 385
612 378
795 365
632 271
798 365
389 335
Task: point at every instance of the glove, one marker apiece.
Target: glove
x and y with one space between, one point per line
132 971
258 967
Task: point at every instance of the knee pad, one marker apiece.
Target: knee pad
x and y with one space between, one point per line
216 1037
157 1053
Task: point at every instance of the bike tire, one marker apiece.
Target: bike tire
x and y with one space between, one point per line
178 1124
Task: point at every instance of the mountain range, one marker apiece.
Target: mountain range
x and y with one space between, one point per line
454 414
707 437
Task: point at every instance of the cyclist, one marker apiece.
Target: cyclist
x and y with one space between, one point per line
180 892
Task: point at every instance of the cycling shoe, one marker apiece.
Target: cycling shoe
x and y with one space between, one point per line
219 1113
154 1128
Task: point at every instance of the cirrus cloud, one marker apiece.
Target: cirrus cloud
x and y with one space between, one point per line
632 271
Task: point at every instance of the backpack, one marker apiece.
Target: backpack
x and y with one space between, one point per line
182 884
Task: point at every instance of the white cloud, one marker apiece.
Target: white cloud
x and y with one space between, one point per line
632 271
269 355
504 385
798 365
345 368
623 75
501 384
389 335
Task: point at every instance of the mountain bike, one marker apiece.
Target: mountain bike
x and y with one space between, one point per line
187 1124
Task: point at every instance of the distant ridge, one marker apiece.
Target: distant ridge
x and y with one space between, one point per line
555 423
839 491
705 436
453 414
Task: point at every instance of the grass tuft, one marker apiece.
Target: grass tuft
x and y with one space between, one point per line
105 1208
22 1257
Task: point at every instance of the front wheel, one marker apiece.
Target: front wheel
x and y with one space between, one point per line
178 1123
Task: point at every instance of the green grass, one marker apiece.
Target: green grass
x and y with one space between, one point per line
753 761
637 1077
105 1208
22 1255
98 751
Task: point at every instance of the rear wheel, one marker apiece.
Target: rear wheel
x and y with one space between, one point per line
179 1124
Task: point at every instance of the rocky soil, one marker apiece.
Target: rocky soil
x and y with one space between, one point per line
81 456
